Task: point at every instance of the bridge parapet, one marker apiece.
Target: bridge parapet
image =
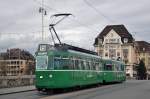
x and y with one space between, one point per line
16 81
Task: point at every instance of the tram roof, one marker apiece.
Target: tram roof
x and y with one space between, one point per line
67 46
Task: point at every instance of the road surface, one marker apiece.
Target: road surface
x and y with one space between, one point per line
132 89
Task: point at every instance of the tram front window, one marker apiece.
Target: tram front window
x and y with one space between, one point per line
41 62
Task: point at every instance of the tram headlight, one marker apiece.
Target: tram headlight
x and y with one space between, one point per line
41 76
50 76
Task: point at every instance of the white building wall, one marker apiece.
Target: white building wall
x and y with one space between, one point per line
113 39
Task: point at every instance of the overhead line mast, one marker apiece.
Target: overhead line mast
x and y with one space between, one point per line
43 12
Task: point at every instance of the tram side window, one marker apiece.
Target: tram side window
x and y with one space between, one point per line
82 65
65 63
122 67
57 63
100 66
119 67
116 67
94 65
71 64
87 65
97 66
62 63
77 65
108 67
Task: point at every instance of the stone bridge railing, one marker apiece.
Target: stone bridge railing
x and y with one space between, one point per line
16 81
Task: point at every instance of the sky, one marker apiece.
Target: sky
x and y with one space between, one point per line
21 21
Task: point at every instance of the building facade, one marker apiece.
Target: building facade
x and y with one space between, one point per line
143 53
16 62
15 67
115 42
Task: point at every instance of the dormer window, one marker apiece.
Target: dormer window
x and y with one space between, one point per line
125 40
100 41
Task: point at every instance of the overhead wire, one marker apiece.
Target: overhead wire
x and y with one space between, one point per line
75 20
83 25
20 33
44 5
98 11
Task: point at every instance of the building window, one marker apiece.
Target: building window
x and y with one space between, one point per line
125 53
125 40
112 53
12 62
143 54
111 34
118 46
21 62
126 61
118 54
118 40
106 46
100 52
17 62
143 59
106 41
106 54
149 61
8 62
112 40
112 47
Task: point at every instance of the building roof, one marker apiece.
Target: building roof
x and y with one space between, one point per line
143 46
16 53
119 29
3 56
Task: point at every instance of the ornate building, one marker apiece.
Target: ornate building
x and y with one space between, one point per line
115 42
